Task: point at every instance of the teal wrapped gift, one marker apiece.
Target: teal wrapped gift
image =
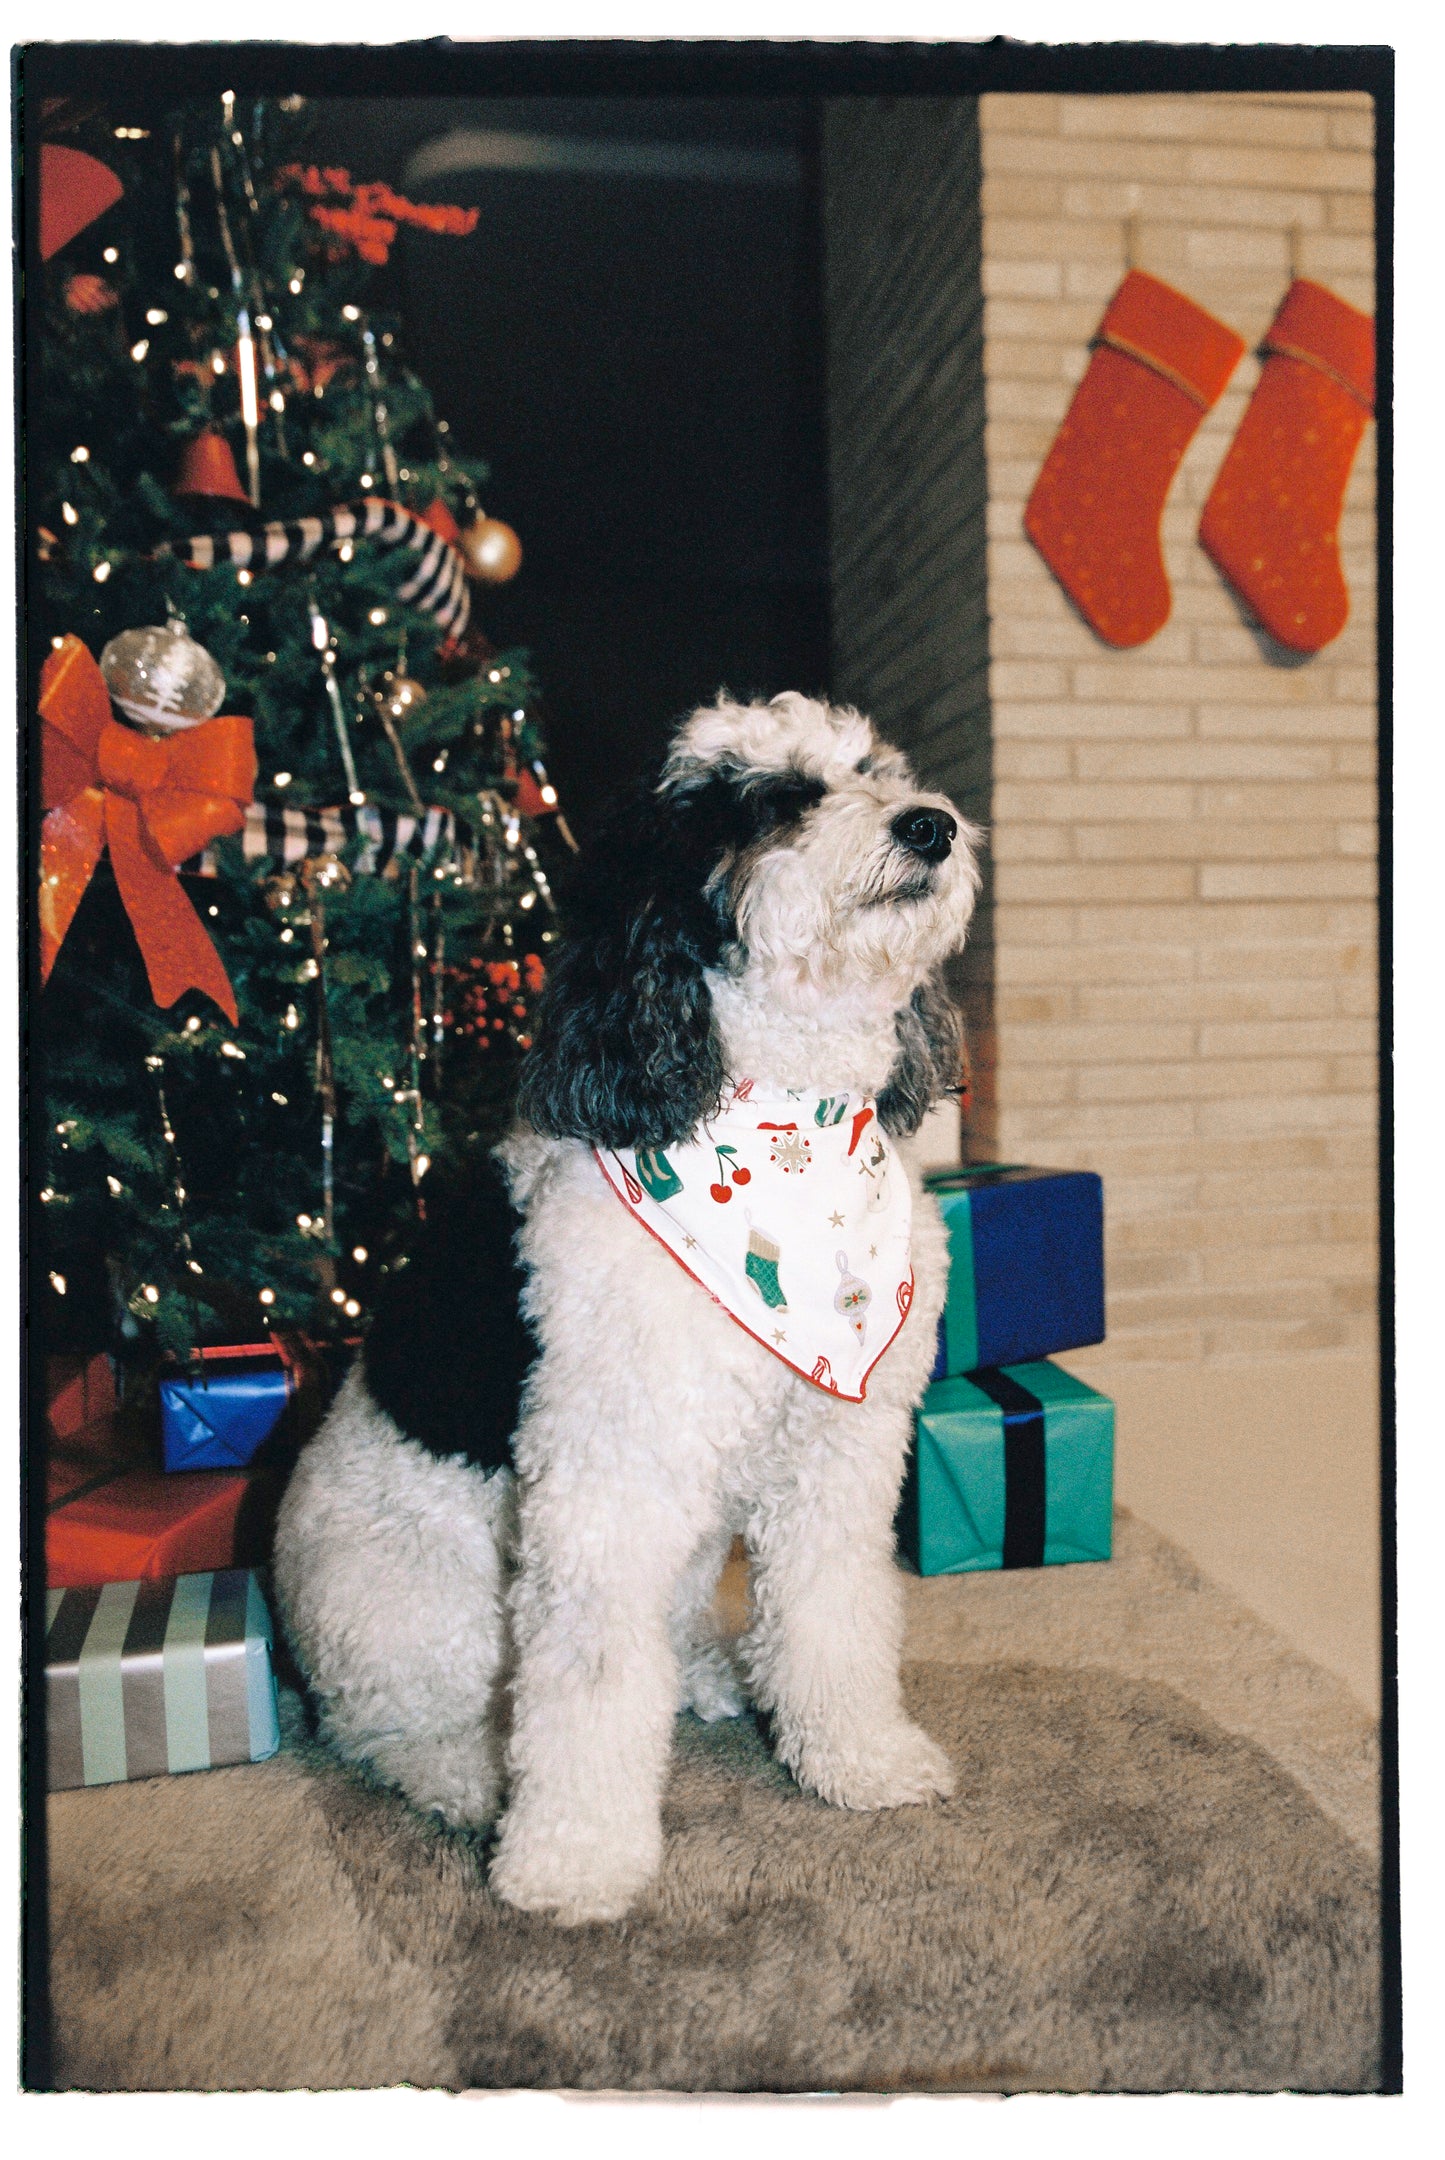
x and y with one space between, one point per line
1010 1467
143 1678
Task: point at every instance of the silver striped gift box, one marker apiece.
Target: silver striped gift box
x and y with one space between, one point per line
143 1678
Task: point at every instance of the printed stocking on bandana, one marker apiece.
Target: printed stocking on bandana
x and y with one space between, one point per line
1271 520
1159 363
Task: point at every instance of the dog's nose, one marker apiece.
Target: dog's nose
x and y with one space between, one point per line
929 833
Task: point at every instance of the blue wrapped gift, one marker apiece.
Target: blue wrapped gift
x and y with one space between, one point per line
219 1418
1025 1264
1011 1467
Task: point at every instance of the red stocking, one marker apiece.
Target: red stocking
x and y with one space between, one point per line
1273 514
1159 363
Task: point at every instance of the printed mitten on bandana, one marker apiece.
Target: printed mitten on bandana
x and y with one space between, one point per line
1273 514
1159 363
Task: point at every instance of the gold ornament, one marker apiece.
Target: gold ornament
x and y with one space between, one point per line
397 695
491 550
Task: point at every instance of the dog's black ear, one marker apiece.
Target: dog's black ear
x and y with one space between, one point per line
625 1052
929 1064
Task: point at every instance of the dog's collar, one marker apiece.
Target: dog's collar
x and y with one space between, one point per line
790 1208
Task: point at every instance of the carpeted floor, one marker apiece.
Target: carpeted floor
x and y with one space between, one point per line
1157 1874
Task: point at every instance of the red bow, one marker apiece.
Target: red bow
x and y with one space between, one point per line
152 803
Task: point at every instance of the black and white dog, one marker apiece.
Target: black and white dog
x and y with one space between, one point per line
496 1559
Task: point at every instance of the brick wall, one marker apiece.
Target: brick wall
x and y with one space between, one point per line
1180 950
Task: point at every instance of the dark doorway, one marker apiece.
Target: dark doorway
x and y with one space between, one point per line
632 339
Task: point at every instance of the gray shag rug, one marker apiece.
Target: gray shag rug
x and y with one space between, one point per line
1156 1875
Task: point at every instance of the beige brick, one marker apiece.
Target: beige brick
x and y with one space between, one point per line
1113 759
1098 963
1032 239
1314 799
1229 1190
1193 118
1073 1132
1190 839
1020 195
1262 1038
1261 165
1026 1005
1352 213
1060 321
1017 112
1202 1083
1342 878
1339 721
1289 1113
1195 204
1262 1338
1202 1001
1359 840
1353 131
1352 759
1153 1271
1144 1346
1266 1263
1079 881
1032 760
1025 359
1281 959
1107 724
1100 159
1355 1072
1060 1044
1074 803
1014 279
1014 842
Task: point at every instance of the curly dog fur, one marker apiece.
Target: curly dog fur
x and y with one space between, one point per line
490 1614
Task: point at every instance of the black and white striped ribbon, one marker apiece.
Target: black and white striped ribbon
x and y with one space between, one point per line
438 584
274 833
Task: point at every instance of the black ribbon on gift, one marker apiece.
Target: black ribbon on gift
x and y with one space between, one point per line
1023 1466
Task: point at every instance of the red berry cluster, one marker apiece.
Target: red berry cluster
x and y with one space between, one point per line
488 998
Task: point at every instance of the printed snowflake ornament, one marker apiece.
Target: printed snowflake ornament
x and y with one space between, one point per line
790 1149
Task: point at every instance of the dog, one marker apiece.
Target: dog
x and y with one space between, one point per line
496 1560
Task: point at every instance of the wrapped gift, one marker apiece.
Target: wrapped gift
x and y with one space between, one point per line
1026 1264
117 1525
218 1415
142 1678
1010 1467
80 1394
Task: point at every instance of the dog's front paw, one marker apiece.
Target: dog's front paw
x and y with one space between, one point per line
573 1880
454 1775
901 1767
710 1685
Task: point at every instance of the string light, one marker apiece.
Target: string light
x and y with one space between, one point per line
150 1293
376 616
368 479
267 1297
80 455
101 572
308 457
282 779
70 514
155 316
278 1097
358 1254
292 1018
303 1222
140 348
110 255
114 1184
293 285
351 1308
351 312
57 1282
338 1297
193 1025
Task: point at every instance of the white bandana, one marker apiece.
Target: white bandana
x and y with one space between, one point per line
794 1213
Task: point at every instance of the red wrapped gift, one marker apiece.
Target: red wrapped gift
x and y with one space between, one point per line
78 1390
135 1524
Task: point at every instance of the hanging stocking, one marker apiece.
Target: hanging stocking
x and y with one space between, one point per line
1159 363
1273 514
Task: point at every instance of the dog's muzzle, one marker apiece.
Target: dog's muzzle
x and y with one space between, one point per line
929 834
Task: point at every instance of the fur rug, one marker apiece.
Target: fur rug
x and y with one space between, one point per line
1155 1875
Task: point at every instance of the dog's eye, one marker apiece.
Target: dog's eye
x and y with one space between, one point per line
782 798
864 765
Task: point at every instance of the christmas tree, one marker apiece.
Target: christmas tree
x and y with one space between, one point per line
283 992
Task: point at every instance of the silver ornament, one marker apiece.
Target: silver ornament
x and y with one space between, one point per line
161 678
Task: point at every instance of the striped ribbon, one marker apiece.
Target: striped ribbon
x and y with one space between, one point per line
142 1678
437 585
274 831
